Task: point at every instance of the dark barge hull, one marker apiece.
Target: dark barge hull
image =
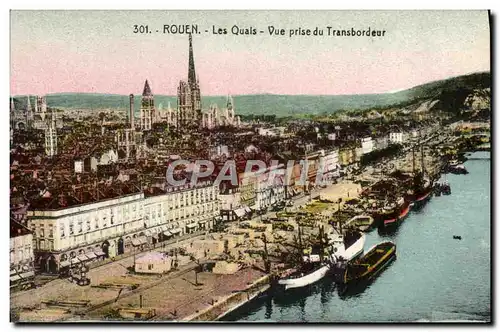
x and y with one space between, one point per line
358 286
374 261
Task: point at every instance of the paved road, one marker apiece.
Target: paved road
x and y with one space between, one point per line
63 288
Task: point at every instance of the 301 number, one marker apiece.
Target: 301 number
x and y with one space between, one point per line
141 29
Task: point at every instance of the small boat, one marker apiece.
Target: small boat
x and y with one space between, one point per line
368 266
308 274
312 269
362 222
457 169
346 247
442 188
446 188
457 237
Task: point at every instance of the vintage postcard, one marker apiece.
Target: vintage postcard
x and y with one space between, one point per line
250 166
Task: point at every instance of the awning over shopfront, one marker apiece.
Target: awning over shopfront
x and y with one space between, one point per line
139 241
99 252
167 233
201 222
192 225
15 277
91 255
82 257
64 264
75 261
27 275
175 231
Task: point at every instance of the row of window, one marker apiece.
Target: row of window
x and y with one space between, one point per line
106 218
21 253
151 213
96 233
43 244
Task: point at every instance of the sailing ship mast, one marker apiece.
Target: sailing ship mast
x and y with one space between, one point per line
413 159
421 153
321 243
422 159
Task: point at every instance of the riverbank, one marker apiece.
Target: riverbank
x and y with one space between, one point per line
435 278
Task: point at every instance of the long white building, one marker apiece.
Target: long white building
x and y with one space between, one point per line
67 236
71 235
180 210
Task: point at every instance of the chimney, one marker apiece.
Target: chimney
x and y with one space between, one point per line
131 112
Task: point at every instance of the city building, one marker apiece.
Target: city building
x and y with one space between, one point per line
238 200
21 254
347 156
381 143
128 143
171 211
213 117
366 145
230 202
270 187
128 140
51 141
70 230
273 132
331 164
167 115
153 263
397 137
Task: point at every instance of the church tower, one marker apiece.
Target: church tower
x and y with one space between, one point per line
189 95
193 82
184 104
148 115
29 113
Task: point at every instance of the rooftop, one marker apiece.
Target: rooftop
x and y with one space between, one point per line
16 229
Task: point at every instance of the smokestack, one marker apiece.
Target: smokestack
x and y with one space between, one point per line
131 112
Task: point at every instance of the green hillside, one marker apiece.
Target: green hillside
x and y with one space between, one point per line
283 105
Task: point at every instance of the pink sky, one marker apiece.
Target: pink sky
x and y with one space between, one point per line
46 58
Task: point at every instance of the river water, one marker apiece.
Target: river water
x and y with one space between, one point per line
434 278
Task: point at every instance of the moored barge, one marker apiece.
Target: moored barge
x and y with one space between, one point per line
368 266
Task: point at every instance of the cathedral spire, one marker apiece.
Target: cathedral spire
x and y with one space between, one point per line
147 89
191 72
